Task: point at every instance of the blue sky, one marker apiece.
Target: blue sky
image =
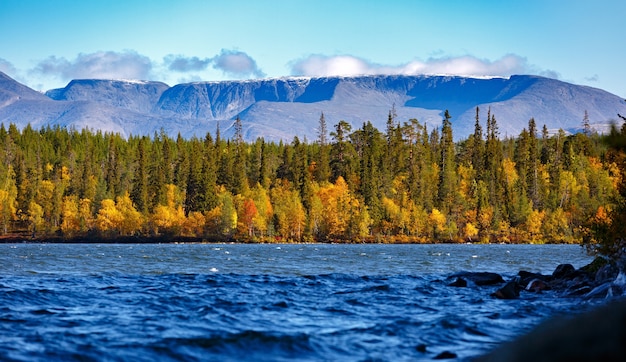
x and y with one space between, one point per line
45 44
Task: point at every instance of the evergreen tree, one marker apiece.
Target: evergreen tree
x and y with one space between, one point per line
139 194
340 162
532 173
494 178
240 179
478 147
113 169
447 176
208 182
181 169
194 197
586 124
370 147
322 169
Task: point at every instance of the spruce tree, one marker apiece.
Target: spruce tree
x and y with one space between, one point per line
447 176
322 169
139 193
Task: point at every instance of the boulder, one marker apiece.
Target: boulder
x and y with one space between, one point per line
458 282
537 285
509 291
606 272
479 278
526 277
563 271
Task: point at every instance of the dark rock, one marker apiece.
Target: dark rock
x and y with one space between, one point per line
563 271
606 272
459 282
480 278
421 348
526 277
509 291
598 335
537 285
445 355
595 265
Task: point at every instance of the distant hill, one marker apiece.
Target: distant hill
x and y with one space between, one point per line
281 108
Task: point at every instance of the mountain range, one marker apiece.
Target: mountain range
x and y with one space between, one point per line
281 108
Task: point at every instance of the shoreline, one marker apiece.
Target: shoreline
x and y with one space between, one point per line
166 239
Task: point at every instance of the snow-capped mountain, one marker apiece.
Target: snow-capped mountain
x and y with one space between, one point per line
281 108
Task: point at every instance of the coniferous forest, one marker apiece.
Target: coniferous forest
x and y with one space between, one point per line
406 183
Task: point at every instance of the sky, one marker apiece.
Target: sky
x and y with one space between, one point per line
45 44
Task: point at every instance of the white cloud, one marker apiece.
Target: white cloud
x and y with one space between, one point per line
236 63
180 63
99 65
320 65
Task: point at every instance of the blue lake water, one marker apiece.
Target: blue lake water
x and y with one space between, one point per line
235 302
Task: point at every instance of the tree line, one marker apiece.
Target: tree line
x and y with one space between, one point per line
406 183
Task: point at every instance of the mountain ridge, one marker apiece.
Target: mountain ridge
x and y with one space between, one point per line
282 108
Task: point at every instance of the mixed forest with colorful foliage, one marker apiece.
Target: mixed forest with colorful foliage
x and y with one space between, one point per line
406 184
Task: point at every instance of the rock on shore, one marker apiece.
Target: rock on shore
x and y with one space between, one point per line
598 335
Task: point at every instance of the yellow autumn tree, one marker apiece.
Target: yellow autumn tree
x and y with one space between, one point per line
556 227
85 215
360 220
45 198
221 221
264 208
132 220
194 224
7 210
533 225
337 206
169 218
316 211
467 175
109 217
437 222
119 217
8 201
568 188
35 218
228 213
70 216
289 212
470 231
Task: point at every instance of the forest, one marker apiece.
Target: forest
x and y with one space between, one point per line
406 184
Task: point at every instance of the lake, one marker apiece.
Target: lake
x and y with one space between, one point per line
233 302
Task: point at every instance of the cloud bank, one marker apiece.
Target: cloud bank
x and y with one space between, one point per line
179 63
99 65
232 62
239 65
321 65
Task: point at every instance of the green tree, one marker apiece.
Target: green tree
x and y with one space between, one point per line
447 175
322 168
139 194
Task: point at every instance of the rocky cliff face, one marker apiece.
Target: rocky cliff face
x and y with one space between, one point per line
279 109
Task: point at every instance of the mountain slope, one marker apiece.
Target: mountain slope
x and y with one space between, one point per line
279 109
